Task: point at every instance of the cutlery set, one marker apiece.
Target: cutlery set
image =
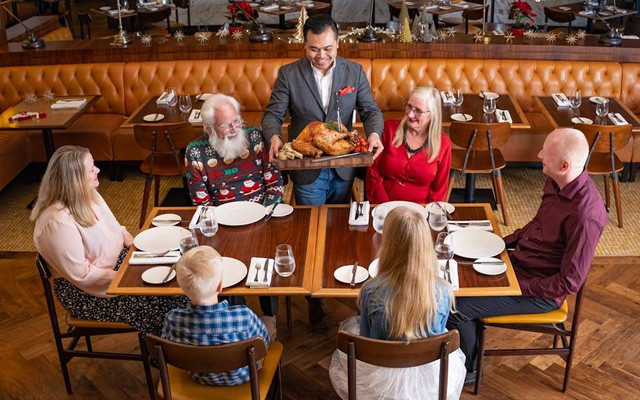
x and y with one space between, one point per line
270 214
265 267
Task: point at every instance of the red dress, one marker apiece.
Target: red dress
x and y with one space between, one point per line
395 176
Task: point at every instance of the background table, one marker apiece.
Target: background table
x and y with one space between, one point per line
578 7
243 242
339 244
472 105
282 11
172 114
436 11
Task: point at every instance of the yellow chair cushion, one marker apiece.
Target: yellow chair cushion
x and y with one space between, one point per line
86 323
184 388
552 317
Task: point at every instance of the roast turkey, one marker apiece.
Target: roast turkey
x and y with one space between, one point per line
324 137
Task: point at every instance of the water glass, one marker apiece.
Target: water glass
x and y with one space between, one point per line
188 243
185 103
437 221
285 263
602 108
378 218
576 100
458 97
209 223
444 246
489 105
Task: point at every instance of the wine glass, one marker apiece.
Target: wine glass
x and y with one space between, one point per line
458 97
576 100
437 221
444 251
188 243
208 223
489 105
378 217
173 97
285 263
602 108
184 104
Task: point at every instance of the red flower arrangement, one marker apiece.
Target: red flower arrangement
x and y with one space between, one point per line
522 13
240 10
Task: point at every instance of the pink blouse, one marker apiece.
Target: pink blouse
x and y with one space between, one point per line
83 256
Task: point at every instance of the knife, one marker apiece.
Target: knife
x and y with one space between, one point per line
273 208
480 262
479 223
173 267
359 210
317 160
444 210
266 269
448 272
353 272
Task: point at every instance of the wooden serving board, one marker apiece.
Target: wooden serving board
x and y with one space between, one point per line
359 160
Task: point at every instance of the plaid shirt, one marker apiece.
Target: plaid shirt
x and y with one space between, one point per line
211 325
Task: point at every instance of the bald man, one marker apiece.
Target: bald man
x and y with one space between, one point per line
552 254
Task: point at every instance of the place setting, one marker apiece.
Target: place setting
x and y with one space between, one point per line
261 272
161 274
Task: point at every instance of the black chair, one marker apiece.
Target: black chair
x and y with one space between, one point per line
144 18
183 4
81 328
85 19
563 17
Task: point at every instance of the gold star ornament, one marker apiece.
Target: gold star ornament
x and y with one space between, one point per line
508 37
572 39
551 37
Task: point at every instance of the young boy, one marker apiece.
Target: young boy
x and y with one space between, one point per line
207 322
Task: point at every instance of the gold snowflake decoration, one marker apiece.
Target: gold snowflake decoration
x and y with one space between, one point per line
222 33
581 35
478 37
572 39
442 35
146 40
508 37
451 32
203 37
178 36
48 96
529 34
237 35
30 98
551 37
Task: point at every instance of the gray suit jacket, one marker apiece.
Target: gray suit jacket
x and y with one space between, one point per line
295 90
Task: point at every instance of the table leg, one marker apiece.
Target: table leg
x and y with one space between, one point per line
49 147
470 188
435 20
589 25
282 24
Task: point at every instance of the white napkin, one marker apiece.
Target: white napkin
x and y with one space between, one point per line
585 12
453 272
251 275
113 12
272 7
193 224
431 7
149 3
630 37
203 96
617 121
170 258
193 118
452 227
165 98
364 218
561 99
498 33
66 104
504 116
447 97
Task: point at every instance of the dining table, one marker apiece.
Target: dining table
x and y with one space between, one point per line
582 10
171 113
435 9
291 7
472 105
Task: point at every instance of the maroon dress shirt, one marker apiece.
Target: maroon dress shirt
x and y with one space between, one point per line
553 252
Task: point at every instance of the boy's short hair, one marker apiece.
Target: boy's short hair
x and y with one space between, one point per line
199 272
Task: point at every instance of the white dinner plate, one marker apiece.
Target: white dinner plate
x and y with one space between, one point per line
476 243
445 8
240 213
286 8
490 95
433 207
598 99
581 120
345 273
160 239
564 8
166 220
461 117
153 117
282 210
156 275
373 268
393 204
233 271
105 8
489 269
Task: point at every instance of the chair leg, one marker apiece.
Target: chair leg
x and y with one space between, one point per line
145 364
288 306
64 359
555 341
145 199
88 340
156 191
479 355
607 198
616 197
502 198
569 363
279 372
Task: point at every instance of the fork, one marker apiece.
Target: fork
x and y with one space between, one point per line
257 267
152 255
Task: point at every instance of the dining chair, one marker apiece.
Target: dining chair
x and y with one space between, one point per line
144 17
466 16
164 141
398 354
552 323
183 4
176 359
604 141
81 328
85 19
563 17
479 154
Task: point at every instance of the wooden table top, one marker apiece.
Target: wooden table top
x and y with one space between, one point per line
577 7
55 119
288 9
243 242
453 8
560 117
339 244
39 24
472 105
171 114
132 12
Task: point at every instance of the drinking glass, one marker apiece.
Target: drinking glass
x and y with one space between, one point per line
209 223
437 221
188 243
173 97
489 105
285 263
378 218
444 251
602 108
458 97
576 100
185 103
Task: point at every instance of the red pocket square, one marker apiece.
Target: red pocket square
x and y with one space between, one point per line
346 90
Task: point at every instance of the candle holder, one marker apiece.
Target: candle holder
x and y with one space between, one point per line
369 35
121 38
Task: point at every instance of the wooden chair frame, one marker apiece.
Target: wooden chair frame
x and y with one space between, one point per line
559 16
557 330
66 354
144 17
183 4
398 354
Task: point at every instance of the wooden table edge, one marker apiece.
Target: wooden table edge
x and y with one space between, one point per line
318 265
631 113
127 122
544 111
525 122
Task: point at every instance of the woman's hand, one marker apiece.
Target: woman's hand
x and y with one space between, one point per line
128 239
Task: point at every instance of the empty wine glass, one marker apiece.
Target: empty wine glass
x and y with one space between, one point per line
444 251
458 97
184 104
576 100
437 221
285 263
489 105
209 223
378 217
188 243
172 97
602 108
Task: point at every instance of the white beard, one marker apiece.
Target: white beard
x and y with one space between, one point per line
230 149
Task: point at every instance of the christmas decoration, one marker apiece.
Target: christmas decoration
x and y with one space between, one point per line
299 35
27 115
404 14
442 35
415 27
30 98
146 40
529 34
572 39
178 36
478 37
405 31
237 35
451 32
203 37
222 33
551 37
48 96
581 34
508 37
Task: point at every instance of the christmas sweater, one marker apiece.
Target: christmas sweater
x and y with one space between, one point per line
214 181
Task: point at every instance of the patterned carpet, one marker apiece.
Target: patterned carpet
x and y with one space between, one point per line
523 187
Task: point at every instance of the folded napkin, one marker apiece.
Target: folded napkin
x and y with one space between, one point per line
362 219
66 104
254 281
165 98
498 33
453 226
630 37
453 272
203 96
195 117
447 97
504 116
431 7
113 12
170 258
561 99
585 12
272 7
617 119
195 220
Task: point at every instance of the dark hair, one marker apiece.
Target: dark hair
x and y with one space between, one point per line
318 24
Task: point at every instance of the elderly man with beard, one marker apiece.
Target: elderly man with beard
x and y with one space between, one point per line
230 162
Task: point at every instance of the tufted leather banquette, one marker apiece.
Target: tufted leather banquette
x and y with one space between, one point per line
125 86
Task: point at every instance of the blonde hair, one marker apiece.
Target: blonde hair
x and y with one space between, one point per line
408 269
431 97
199 272
65 181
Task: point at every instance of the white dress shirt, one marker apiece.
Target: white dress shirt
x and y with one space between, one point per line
324 83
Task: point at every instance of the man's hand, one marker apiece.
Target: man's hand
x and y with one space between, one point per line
375 145
276 145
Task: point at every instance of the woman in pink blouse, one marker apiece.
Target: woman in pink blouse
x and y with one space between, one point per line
414 165
79 237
